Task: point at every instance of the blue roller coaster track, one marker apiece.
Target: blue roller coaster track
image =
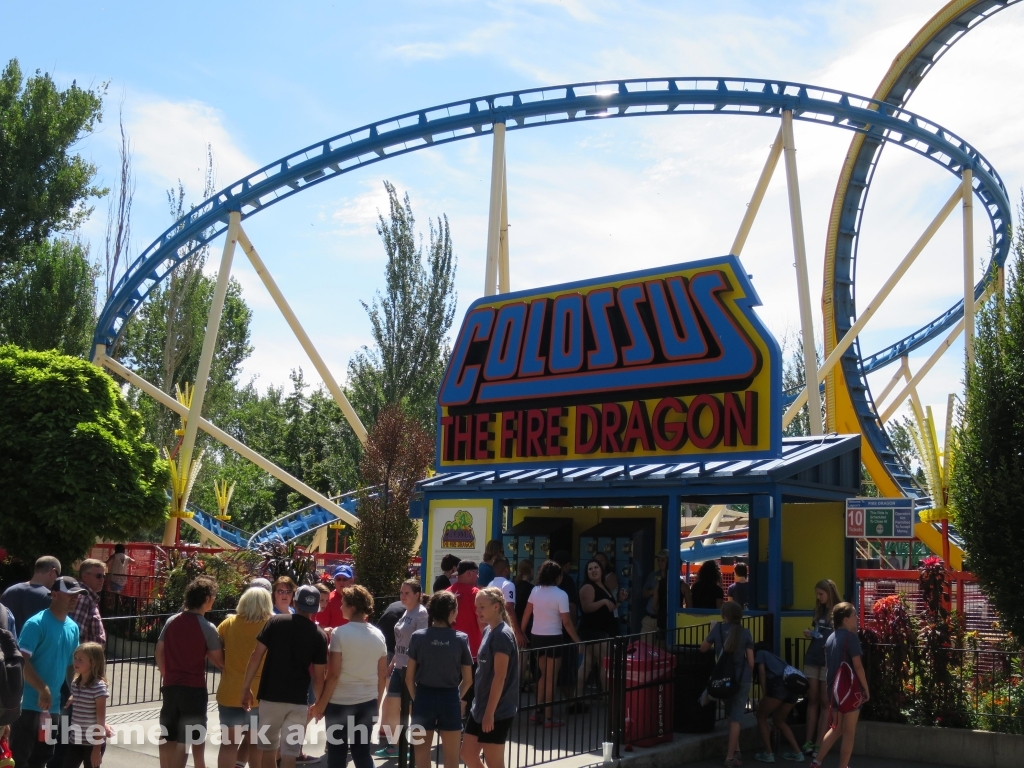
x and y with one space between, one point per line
949 26
879 121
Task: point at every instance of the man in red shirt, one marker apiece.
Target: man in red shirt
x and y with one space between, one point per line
343 577
465 590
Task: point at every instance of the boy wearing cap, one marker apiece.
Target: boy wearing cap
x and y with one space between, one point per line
291 643
47 641
343 577
186 641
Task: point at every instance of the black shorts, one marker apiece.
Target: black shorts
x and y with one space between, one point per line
497 735
549 646
396 683
183 707
776 690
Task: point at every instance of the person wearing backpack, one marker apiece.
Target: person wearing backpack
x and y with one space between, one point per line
12 674
847 684
734 648
777 700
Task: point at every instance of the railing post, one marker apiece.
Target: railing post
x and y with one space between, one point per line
406 757
617 695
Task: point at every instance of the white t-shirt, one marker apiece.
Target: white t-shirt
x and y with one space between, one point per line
508 588
549 603
119 568
361 645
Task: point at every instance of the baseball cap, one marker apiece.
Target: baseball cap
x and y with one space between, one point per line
67 585
562 557
307 599
345 571
261 583
467 565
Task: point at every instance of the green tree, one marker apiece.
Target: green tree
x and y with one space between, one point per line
987 482
43 185
409 321
397 453
49 302
76 466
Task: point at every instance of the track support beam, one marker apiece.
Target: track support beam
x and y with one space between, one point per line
929 363
494 210
759 190
220 290
876 302
796 220
503 277
300 333
236 445
968 205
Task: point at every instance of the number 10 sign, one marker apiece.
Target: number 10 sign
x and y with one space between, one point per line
880 518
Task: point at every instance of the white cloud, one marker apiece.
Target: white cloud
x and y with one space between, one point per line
169 140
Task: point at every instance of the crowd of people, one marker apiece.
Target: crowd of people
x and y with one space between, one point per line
290 655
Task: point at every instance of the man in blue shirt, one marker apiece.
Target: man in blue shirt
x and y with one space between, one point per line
47 641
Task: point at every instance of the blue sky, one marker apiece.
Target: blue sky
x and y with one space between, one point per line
260 80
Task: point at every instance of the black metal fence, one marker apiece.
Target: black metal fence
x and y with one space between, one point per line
132 674
628 691
980 688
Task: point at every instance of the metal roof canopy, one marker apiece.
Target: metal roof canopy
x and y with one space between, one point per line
810 469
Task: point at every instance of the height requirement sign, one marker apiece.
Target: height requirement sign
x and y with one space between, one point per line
668 363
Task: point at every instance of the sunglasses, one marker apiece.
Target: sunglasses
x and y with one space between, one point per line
282 591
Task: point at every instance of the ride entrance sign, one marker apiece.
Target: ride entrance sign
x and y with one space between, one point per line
666 363
879 518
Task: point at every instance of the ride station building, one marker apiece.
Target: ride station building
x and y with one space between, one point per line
583 416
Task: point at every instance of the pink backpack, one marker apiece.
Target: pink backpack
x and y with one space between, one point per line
846 691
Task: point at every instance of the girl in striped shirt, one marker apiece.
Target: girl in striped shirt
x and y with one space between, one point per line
88 729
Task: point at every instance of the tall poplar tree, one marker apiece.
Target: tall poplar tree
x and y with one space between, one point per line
987 483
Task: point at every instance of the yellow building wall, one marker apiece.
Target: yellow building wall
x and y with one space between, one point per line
587 517
813 539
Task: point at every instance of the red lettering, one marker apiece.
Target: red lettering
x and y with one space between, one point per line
587 429
463 437
482 436
555 431
508 433
447 438
714 435
535 432
741 418
669 435
521 434
638 427
612 416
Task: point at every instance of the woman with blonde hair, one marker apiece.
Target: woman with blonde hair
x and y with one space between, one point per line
730 636
238 634
826 597
495 685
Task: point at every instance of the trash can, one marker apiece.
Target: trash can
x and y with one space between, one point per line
649 697
693 671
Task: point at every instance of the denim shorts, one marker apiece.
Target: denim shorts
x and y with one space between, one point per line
396 683
437 709
233 716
